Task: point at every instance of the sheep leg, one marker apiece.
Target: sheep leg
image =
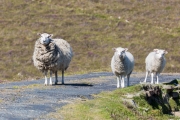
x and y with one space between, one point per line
62 76
50 81
45 74
118 79
157 79
56 78
146 76
152 78
128 76
122 81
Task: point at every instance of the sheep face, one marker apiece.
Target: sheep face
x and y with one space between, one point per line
160 53
120 52
45 38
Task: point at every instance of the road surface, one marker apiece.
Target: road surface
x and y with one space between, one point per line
31 99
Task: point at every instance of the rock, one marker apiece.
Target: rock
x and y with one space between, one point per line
173 82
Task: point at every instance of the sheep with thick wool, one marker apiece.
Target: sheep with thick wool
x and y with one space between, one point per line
122 64
53 55
155 63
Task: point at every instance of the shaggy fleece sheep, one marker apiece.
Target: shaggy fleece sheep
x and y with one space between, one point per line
53 55
155 63
122 64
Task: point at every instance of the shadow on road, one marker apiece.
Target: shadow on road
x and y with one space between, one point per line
75 84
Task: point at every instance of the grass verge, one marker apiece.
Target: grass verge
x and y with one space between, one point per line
113 105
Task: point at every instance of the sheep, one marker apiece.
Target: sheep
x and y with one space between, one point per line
155 63
53 55
122 64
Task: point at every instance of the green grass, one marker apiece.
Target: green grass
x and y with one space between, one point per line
115 105
92 28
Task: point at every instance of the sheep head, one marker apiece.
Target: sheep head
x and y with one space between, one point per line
45 38
160 53
120 52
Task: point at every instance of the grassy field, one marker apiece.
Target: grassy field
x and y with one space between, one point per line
116 105
92 27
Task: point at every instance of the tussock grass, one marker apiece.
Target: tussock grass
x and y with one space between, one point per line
92 28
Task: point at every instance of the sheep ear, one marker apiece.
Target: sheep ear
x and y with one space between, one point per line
126 49
50 35
114 49
38 33
155 50
165 52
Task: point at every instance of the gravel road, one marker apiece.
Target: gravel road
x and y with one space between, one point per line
31 99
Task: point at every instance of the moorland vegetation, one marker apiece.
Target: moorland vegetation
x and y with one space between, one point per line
92 28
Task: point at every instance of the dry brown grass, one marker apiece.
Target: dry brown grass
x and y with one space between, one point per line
92 28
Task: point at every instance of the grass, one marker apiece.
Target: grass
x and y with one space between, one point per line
92 28
114 105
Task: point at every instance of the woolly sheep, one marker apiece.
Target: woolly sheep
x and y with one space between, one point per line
155 63
53 55
122 64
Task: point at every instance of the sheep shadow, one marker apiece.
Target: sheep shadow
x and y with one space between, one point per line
74 84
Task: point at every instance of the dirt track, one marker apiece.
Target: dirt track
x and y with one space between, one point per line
33 100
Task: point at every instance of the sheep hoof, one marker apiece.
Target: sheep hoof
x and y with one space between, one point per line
45 84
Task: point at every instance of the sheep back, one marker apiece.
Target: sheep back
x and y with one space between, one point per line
153 64
122 67
65 52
